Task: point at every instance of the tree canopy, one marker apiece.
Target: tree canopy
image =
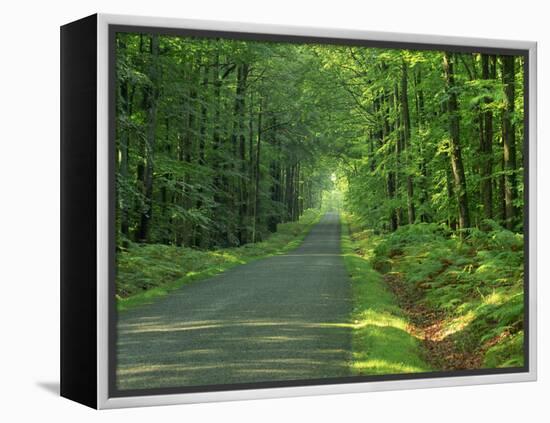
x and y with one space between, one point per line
219 140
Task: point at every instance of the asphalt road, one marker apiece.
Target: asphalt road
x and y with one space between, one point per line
279 318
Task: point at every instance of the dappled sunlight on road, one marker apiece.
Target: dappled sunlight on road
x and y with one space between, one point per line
284 317
274 349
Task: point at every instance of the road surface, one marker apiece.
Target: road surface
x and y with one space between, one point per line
284 317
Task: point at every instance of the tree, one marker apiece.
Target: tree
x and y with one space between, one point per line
509 140
486 147
151 98
406 121
455 151
212 153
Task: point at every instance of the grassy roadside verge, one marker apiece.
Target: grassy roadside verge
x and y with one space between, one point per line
146 273
382 342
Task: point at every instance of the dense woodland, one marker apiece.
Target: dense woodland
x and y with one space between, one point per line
218 141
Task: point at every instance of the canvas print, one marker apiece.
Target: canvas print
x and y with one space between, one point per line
304 211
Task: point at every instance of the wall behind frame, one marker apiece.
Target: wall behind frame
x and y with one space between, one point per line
30 216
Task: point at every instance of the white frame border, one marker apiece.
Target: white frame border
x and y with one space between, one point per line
103 401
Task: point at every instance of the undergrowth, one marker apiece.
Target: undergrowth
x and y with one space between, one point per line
145 272
473 284
382 343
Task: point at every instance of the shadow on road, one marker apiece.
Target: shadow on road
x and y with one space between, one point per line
284 317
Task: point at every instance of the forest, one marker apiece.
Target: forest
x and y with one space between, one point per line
220 143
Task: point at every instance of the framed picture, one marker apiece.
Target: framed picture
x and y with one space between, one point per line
254 211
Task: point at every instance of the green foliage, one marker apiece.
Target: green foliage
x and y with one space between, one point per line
220 143
476 280
210 153
508 353
382 342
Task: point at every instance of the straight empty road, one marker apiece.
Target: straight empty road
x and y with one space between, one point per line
284 317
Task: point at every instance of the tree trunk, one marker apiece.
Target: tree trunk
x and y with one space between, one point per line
165 195
502 191
152 93
239 138
451 213
456 154
217 182
486 168
391 178
274 218
124 145
398 150
199 238
406 122
509 140
250 162
187 235
296 195
419 97
289 181
257 176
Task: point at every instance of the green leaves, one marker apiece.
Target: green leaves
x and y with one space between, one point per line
221 142
478 280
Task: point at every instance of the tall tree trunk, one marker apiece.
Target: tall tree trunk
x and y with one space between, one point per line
398 150
250 162
419 98
486 168
455 150
188 130
217 182
199 239
274 218
239 147
289 181
125 109
502 191
391 178
165 194
406 122
203 118
509 140
296 194
449 182
257 175
152 93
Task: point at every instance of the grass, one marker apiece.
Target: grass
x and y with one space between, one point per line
474 283
381 343
148 272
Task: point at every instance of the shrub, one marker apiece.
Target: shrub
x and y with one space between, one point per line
480 276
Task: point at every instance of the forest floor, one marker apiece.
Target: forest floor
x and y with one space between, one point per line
458 303
285 317
320 299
